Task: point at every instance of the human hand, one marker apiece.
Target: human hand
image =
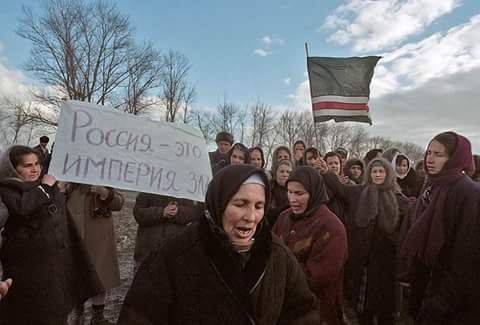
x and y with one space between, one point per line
102 191
49 180
171 209
4 285
63 186
344 179
322 165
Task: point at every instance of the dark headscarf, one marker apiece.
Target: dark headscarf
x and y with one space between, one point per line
242 148
354 162
373 153
426 236
225 184
314 185
261 154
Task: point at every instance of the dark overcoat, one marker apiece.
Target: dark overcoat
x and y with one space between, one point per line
194 278
43 253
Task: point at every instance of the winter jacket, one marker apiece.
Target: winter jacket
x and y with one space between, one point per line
153 227
319 243
196 278
44 255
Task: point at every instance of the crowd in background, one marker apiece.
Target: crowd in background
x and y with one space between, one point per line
299 241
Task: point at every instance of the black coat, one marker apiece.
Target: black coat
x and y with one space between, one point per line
44 255
452 294
153 227
194 278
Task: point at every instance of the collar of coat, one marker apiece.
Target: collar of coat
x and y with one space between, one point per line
240 280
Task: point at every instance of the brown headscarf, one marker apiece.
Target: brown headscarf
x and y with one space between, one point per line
378 202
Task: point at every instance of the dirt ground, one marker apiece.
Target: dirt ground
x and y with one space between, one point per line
126 229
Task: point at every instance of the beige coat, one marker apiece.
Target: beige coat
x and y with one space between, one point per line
97 232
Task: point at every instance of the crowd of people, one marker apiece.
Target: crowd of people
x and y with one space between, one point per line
301 241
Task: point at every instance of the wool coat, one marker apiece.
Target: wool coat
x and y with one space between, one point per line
43 253
319 243
195 278
97 231
153 227
371 272
449 292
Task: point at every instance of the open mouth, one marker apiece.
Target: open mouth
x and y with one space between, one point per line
244 232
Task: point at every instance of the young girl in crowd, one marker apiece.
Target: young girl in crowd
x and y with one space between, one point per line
278 189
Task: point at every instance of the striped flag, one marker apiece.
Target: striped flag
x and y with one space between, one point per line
340 88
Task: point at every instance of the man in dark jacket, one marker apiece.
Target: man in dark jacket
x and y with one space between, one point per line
224 142
160 217
43 153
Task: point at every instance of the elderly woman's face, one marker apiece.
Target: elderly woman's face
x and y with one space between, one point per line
29 168
244 211
297 197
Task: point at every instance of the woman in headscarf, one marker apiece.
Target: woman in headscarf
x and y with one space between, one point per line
377 211
278 188
228 269
317 239
354 170
42 250
237 155
406 175
441 252
280 153
257 157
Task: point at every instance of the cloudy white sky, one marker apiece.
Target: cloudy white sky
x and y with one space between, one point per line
427 81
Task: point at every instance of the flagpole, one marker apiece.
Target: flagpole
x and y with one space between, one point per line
308 71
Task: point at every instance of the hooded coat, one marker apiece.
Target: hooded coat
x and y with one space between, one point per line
318 240
198 278
373 230
441 252
42 252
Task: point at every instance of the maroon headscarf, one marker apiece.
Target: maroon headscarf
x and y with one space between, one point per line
425 238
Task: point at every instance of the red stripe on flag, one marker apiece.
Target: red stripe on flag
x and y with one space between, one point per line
337 105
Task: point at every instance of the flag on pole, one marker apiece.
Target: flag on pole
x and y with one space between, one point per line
340 88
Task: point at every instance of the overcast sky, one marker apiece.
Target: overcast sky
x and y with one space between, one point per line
427 81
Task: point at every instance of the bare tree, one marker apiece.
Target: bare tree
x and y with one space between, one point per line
202 121
145 66
226 118
14 119
262 120
84 50
287 128
188 99
174 84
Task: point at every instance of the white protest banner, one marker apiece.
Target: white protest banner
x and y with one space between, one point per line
100 146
